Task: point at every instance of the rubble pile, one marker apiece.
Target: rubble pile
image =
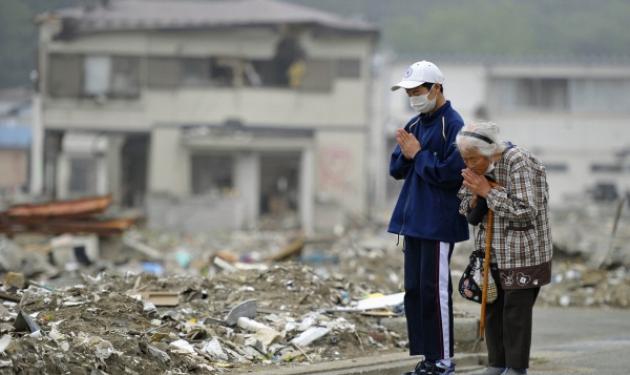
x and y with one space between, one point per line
598 233
112 324
575 283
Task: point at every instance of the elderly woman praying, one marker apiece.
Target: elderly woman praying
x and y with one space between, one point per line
511 182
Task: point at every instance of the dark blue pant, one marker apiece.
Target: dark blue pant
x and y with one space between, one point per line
428 298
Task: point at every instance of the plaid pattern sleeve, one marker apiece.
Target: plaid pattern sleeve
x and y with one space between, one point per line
518 204
465 196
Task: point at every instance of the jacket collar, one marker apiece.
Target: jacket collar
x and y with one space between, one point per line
427 118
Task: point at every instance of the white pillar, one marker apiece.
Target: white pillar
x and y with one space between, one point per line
169 163
63 176
37 148
247 183
102 187
307 169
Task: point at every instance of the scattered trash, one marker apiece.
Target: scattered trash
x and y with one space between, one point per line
246 309
69 249
5 341
224 304
214 349
14 280
265 334
183 258
24 323
182 346
375 302
134 243
162 298
225 266
158 354
578 283
307 337
153 268
293 248
9 297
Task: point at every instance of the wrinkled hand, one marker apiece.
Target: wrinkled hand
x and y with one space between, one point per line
475 183
409 144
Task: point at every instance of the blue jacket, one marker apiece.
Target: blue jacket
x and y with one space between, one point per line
428 206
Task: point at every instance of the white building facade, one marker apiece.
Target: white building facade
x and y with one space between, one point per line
574 115
236 108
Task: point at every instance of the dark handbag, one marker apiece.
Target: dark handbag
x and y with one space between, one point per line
472 280
477 213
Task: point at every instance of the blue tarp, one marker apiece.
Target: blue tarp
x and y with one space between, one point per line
14 135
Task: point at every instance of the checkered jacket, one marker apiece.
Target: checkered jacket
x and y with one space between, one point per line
521 243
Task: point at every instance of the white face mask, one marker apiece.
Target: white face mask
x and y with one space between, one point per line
422 103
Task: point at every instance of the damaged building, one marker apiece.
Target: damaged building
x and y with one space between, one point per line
209 114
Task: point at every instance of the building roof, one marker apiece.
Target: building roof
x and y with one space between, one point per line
183 14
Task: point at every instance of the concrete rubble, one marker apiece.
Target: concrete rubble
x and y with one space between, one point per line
128 311
153 301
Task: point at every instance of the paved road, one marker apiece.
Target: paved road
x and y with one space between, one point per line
580 341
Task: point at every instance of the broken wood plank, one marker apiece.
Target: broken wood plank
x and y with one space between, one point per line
293 248
10 297
54 226
59 209
142 248
164 299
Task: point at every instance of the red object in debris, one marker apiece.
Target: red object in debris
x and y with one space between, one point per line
58 217
59 209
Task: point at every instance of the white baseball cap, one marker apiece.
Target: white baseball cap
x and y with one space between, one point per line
418 73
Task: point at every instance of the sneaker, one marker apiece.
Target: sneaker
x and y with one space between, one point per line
420 369
438 368
492 371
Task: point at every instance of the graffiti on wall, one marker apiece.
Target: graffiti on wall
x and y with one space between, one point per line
335 170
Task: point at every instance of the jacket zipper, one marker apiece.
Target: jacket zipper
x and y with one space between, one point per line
402 228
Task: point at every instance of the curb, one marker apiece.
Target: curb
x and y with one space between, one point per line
385 364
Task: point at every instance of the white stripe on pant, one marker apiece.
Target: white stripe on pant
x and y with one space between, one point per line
443 284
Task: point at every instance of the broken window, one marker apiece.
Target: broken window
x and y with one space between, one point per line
208 71
222 72
288 55
349 68
64 75
212 173
125 77
251 76
265 70
97 75
279 183
163 72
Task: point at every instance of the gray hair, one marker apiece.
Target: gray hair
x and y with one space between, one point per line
486 131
